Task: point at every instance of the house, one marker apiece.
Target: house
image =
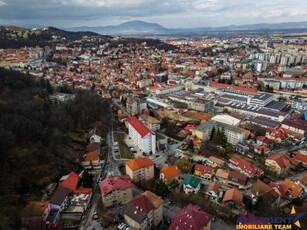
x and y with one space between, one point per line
145 211
294 189
92 159
203 171
277 135
260 189
135 105
35 212
95 136
140 169
70 181
59 199
191 185
296 126
278 163
116 190
169 173
214 191
233 198
191 217
142 136
302 157
262 140
214 162
245 167
231 178
261 149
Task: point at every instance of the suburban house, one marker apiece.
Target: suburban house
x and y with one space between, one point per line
261 189
191 217
116 190
277 135
245 167
203 171
261 149
262 140
95 136
144 211
214 191
302 157
169 173
231 178
35 212
140 169
233 199
191 185
295 189
92 159
70 181
142 136
279 163
214 161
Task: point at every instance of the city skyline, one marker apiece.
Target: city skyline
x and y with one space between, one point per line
171 14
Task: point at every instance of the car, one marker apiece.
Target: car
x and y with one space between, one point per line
95 217
213 218
157 155
121 226
168 203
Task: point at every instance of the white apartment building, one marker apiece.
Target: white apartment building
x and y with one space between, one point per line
142 136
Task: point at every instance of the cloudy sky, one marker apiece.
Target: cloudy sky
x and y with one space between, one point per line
169 13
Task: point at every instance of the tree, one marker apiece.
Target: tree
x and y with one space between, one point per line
161 188
87 179
24 185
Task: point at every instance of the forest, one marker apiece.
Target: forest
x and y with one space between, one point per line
37 138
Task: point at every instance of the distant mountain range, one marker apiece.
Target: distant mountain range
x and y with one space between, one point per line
143 28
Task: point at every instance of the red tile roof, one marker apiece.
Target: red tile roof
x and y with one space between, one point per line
71 182
115 183
138 126
141 162
203 169
301 157
191 217
282 160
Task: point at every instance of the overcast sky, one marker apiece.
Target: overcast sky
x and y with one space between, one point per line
169 13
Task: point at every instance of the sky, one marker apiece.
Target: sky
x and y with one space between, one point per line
169 13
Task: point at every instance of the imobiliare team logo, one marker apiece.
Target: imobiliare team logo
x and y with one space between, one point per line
278 223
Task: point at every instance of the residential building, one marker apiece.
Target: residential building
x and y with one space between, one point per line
135 105
35 212
151 123
231 178
191 185
169 89
70 181
214 161
278 163
140 169
142 136
92 159
144 212
296 126
59 199
233 198
144 82
116 190
295 189
203 171
169 173
214 191
245 167
191 217
268 193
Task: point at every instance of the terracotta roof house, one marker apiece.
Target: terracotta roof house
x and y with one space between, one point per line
234 196
116 190
191 217
92 159
231 178
245 167
169 173
279 163
262 140
203 171
140 169
261 189
70 181
35 212
294 189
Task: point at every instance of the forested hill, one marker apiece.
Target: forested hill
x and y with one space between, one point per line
38 139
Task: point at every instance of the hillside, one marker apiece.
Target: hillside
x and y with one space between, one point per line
16 37
39 141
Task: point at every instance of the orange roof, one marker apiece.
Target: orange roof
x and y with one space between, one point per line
71 181
153 198
92 156
170 172
142 162
301 157
282 160
233 195
293 188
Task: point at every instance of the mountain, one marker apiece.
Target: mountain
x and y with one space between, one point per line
127 28
145 28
